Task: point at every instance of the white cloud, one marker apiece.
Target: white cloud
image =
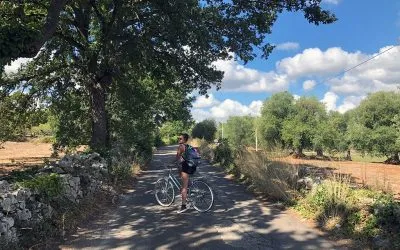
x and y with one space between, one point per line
314 62
330 100
240 78
204 102
296 97
227 108
15 65
381 73
309 84
288 46
200 114
344 92
350 102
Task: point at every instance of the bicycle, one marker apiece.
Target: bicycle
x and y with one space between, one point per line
199 192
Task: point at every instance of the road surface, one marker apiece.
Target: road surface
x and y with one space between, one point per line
236 221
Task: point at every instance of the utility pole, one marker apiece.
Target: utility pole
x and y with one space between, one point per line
222 130
256 140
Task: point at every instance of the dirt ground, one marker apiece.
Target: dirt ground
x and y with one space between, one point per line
20 155
378 175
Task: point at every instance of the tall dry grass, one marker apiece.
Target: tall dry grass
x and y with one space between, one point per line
275 179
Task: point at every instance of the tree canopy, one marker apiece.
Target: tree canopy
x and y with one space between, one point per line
205 130
88 48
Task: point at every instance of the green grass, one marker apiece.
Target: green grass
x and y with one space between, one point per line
357 157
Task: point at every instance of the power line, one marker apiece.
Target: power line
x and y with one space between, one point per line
347 70
369 59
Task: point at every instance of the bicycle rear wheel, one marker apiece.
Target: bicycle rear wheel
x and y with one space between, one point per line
201 195
164 192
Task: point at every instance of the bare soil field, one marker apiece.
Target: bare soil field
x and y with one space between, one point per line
22 155
377 175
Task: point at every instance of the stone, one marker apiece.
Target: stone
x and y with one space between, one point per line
22 194
3 227
6 204
47 211
58 170
4 186
66 162
24 214
22 204
9 221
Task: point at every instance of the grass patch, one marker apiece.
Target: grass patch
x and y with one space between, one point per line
361 214
49 186
369 217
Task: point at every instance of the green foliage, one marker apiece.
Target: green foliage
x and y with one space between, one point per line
240 131
43 129
362 214
18 114
373 129
223 154
331 136
274 112
170 131
205 130
387 213
122 169
300 129
48 186
92 47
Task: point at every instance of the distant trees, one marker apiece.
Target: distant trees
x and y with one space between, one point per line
374 126
239 130
170 131
205 130
274 112
304 124
301 127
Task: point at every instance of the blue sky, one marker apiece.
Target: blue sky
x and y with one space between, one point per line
310 60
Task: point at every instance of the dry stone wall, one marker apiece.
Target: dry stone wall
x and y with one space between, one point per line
81 177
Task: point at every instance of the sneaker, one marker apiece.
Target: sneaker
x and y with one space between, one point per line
184 208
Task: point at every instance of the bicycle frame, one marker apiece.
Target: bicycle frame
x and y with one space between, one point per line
173 179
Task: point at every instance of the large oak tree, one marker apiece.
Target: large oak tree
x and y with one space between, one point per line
174 43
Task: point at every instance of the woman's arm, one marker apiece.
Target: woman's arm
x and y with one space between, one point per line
180 151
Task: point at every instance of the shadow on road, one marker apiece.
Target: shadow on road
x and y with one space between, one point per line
237 220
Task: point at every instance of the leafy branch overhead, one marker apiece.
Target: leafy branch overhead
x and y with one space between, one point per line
92 48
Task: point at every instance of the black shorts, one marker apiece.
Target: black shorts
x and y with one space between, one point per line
188 169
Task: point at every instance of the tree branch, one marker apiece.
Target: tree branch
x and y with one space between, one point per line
53 17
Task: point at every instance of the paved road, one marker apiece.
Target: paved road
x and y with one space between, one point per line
237 220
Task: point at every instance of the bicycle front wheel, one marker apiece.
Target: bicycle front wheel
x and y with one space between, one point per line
201 195
164 192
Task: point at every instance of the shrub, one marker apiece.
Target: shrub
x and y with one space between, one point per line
387 212
223 154
48 186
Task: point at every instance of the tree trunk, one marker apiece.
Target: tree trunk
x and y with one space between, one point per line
298 153
320 153
348 155
394 159
100 133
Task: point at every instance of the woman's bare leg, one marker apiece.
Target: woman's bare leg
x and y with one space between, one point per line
185 183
